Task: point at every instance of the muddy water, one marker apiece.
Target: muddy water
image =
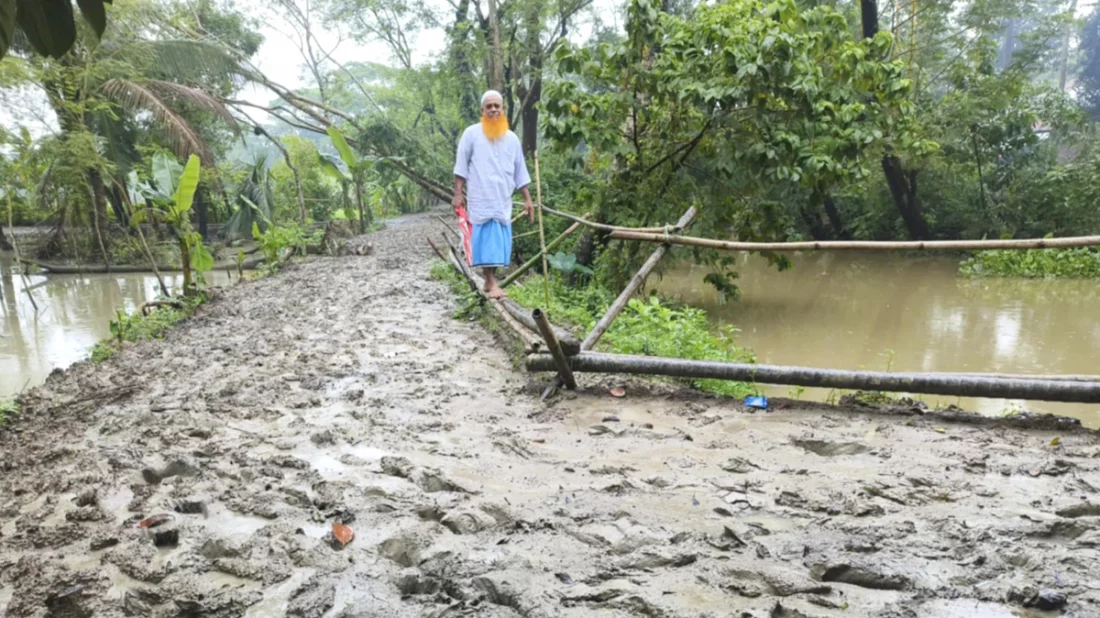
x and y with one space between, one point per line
74 312
857 311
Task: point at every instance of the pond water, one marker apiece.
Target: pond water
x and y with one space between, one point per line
850 310
74 313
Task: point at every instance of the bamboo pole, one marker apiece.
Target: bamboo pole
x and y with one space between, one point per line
436 249
562 363
550 246
862 245
635 282
532 342
603 226
542 234
925 383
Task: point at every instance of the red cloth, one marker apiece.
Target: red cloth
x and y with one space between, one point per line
467 233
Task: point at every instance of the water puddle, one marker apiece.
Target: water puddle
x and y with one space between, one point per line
223 522
117 503
277 597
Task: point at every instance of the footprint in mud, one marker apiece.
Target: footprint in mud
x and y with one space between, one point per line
826 448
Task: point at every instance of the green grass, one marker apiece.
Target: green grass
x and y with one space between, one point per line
136 327
1034 264
9 407
648 327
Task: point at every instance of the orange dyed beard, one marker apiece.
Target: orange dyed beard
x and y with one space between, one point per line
494 128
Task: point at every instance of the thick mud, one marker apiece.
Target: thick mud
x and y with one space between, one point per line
202 475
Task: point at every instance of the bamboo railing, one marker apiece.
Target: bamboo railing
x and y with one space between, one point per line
572 356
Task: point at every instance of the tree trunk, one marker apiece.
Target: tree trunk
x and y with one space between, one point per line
459 41
99 212
903 187
117 205
201 204
359 203
868 12
185 265
529 114
4 244
811 216
835 221
1064 60
496 53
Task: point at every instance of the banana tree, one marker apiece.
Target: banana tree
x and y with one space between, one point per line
174 210
358 168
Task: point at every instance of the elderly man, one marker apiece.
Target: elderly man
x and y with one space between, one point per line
490 167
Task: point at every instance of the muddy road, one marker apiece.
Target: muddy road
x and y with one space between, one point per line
342 391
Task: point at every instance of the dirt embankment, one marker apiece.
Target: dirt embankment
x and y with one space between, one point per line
341 390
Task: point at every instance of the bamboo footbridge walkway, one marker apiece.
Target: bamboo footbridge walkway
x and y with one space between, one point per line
550 348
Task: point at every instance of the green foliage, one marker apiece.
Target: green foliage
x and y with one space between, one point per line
1040 263
720 111
276 239
137 327
646 327
9 408
567 263
176 212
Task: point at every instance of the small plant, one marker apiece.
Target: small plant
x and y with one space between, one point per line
795 392
174 195
276 239
137 327
9 408
889 354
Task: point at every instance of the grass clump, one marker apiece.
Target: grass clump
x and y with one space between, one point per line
137 327
1034 264
9 407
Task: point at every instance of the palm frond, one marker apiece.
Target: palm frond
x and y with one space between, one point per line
184 60
185 140
195 97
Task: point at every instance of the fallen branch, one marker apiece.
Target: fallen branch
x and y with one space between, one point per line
925 383
865 245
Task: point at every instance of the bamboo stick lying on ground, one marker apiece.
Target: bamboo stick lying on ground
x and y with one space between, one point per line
530 339
923 383
865 245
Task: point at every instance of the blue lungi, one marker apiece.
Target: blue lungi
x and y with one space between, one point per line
492 244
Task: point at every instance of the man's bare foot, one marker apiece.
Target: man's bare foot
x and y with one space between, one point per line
494 290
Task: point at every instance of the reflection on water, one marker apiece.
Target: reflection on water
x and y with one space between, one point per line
847 310
74 313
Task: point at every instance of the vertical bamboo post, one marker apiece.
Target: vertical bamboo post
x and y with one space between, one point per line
542 233
562 363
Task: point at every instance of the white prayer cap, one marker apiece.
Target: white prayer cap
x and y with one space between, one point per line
490 94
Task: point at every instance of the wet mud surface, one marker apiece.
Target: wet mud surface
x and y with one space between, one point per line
202 475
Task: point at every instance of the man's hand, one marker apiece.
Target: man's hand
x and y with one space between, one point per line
458 202
529 209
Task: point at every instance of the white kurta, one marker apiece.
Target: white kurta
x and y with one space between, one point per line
493 172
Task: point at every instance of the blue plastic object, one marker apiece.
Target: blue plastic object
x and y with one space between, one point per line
757 402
